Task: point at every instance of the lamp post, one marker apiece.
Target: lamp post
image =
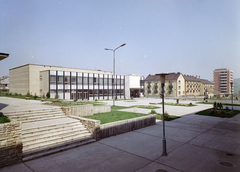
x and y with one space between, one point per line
162 79
113 50
232 95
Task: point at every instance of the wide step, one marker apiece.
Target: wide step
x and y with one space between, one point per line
57 148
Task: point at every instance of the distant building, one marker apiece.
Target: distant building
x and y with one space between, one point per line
68 83
4 82
136 85
222 79
178 85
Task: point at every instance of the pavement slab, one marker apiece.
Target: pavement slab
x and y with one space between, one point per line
140 144
157 167
191 158
94 157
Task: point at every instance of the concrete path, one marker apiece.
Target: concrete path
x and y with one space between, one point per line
195 143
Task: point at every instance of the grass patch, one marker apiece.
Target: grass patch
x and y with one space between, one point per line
179 104
224 113
146 106
166 117
227 104
114 116
119 107
73 103
4 119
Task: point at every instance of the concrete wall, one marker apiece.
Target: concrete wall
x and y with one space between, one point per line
19 80
85 110
93 126
119 127
44 83
10 143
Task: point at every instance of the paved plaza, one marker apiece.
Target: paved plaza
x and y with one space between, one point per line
195 143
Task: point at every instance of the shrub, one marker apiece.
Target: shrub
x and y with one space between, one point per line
153 112
10 94
177 101
190 104
35 96
43 96
56 96
15 94
28 94
48 95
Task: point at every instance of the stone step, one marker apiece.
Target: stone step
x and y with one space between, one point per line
54 138
40 119
57 148
34 111
48 127
54 142
43 136
35 114
21 118
57 129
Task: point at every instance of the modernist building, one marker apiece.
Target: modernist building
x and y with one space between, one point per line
136 85
222 79
68 83
178 85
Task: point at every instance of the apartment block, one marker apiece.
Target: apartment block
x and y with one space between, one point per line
179 85
222 81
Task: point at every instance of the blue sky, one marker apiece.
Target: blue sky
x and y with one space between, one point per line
192 37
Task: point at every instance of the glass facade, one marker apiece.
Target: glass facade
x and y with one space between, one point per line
85 86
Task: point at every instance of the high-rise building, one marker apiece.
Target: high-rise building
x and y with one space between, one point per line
222 81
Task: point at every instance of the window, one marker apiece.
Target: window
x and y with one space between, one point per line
85 80
122 82
52 91
52 79
100 81
79 80
73 80
179 87
90 80
110 81
105 81
118 81
67 79
60 80
179 81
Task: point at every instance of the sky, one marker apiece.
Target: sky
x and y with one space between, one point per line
162 36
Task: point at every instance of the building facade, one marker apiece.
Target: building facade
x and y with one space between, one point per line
4 83
136 85
222 81
68 83
178 85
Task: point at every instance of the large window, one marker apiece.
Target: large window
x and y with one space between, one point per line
110 81
60 80
85 80
105 81
53 79
67 79
100 81
79 80
73 80
90 80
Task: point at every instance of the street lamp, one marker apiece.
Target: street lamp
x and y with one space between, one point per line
113 50
162 79
232 95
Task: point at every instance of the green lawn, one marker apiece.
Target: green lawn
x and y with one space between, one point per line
219 112
119 107
227 104
146 106
179 104
114 116
4 119
167 117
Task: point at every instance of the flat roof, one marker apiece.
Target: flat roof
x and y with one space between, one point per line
3 56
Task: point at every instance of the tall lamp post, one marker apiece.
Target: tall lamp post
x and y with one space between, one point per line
113 50
232 95
162 79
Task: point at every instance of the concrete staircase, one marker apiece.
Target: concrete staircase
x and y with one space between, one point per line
36 115
49 131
